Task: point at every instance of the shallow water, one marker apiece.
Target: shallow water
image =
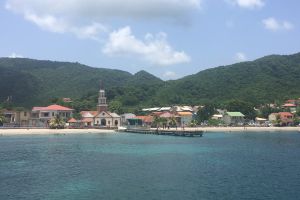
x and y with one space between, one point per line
132 166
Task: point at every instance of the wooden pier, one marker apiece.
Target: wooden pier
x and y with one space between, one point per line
181 133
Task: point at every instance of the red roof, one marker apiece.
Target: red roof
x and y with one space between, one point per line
289 105
147 119
94 113
86 120
285 114
53 107
291 101
72 120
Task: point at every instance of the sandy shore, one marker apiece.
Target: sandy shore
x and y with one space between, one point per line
51 131
242 129
85 131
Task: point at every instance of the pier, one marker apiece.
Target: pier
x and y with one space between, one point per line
181 133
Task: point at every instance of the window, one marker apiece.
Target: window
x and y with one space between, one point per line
25 114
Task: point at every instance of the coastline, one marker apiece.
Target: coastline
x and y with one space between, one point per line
240 129
7 132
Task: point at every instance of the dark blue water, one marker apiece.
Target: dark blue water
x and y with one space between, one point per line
142 167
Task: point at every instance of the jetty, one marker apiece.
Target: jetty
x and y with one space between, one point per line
181 133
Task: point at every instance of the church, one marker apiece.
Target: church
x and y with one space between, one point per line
102 117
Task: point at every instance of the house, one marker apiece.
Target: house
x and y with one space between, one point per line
16 117
185 118
290 106
283 118
286 118
217 117
233 118
40 116
147 120
125 117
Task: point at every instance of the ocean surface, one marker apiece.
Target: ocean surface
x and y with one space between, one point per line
149 167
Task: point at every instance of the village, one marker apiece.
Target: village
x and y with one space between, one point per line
57 116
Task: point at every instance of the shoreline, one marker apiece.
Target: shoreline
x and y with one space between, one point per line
11 131
238 129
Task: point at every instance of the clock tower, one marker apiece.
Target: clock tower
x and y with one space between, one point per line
102 105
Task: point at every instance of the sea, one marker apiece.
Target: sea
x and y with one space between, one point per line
119 166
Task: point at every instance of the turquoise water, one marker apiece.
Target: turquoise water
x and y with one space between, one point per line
142 167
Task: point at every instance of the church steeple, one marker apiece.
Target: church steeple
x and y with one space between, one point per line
101 106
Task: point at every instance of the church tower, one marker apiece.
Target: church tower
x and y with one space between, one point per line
101 106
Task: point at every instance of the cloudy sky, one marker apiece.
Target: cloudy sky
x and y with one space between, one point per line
168 38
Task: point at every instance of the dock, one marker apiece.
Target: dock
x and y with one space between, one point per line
181 133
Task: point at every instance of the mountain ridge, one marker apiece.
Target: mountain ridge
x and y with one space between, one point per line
263 80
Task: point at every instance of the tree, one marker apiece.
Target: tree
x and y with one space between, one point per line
115 106
266 110
172 121
2 118
156 121
241 106
193 123
57 123
205 113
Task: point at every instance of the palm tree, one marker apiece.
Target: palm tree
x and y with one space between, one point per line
156 121
57 123
173 122
193 123
2 118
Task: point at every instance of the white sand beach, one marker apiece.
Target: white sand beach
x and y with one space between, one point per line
5 132
52 131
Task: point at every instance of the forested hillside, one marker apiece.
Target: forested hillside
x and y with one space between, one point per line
34 82
261 81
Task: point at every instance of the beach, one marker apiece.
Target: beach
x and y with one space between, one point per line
52 131
4 131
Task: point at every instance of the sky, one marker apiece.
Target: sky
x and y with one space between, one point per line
168 38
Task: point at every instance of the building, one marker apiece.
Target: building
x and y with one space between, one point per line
282 118
40 116
102 117
125 117
16 118
233 118
185 118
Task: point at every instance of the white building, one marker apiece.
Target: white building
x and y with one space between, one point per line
40 116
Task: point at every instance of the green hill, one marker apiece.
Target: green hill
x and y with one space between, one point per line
261 81
35 82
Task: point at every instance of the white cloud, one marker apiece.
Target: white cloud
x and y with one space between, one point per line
276 25
170 75
86 18
99 9
154 48
15 55
249 4
240 57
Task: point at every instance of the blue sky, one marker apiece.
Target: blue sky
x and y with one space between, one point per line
168 38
